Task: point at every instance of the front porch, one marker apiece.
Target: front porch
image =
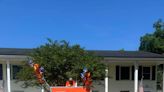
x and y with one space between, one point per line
125 69
9 65
124 74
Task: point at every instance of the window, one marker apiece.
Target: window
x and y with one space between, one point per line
15 69
125 72
146 72
122 73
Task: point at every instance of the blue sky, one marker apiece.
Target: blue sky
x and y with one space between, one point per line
94 24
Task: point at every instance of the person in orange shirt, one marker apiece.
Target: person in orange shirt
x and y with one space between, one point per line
38 73
70 83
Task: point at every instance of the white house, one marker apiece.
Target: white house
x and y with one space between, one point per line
125 69
10 60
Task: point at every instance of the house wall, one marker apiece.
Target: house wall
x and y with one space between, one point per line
127 85
98 86
114 85
15 86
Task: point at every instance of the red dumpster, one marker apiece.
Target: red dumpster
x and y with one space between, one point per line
68 89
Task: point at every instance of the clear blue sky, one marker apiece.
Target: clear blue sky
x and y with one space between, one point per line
94 24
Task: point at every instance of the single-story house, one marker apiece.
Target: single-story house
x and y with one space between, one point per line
126 68
124 71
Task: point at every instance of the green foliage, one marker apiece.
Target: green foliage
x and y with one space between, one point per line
61 61
154 42
27 75
122 50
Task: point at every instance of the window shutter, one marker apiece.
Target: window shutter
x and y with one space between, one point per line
117 72
1 72
153 72
132 72
140 73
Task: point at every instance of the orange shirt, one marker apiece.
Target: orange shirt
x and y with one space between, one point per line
70 83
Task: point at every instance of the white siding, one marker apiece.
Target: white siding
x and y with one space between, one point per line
126 85
114 85
16 87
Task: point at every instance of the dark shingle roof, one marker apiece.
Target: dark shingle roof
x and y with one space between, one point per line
15 51
103 53
126 54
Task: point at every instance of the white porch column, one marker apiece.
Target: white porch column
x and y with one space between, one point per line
8 77
136 77
106 80
42 90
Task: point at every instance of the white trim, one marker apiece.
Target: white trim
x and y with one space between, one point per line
8 77
131 60
17 58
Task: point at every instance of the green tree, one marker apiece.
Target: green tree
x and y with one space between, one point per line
154 42
61 61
